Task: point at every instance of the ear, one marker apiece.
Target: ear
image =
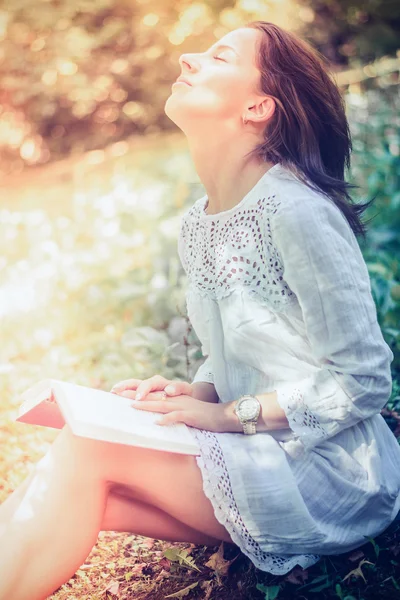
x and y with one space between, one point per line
262 110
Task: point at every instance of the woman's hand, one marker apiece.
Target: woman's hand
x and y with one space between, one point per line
151 388
178 407
186 409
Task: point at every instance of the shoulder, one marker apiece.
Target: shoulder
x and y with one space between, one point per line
193 211
303 210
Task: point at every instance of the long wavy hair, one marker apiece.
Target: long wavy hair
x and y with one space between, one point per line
309 132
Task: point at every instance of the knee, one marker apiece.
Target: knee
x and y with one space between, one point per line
80 454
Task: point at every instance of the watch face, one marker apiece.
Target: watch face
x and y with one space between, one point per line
248 409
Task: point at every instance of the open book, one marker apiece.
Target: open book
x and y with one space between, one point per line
101 415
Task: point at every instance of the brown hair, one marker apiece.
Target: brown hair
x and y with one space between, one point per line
309 132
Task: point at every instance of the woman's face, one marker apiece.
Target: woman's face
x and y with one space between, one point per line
223 84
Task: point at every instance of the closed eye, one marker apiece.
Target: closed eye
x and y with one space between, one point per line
217 58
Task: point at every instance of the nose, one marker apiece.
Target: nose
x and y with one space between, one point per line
185 61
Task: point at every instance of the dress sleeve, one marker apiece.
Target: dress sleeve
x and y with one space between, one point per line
204 372
323 265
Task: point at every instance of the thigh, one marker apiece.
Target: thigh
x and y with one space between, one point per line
124 513
169 481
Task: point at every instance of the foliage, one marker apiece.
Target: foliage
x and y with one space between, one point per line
375 125
352 31
78 75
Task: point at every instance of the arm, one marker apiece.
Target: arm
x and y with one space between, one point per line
205 392
203 383
324 267
271 416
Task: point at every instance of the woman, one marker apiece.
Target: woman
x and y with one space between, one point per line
279 296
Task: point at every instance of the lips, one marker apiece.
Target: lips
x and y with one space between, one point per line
182 80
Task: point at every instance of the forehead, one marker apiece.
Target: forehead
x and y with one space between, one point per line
243 40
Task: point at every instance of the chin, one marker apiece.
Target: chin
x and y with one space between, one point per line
172 111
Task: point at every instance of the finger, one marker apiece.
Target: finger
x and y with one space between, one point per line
126 384
153 405
151 396
155 383
175 388
132 384
176 416
127 394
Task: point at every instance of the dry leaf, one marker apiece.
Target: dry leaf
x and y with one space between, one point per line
163 574
184 592
113 588
358 572
297 576
165 563
208 586
218 563
138 568
356 555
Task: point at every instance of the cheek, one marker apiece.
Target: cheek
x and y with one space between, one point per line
223 94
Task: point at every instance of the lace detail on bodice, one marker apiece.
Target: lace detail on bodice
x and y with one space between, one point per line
233 251
217 488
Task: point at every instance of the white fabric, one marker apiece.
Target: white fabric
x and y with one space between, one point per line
279 296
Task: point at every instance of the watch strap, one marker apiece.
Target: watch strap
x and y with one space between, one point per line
249 427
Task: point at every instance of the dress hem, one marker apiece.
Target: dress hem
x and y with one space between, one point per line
214 473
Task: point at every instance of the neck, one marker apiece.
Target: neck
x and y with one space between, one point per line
225 172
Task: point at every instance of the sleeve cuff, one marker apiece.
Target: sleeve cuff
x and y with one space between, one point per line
304 424
204 372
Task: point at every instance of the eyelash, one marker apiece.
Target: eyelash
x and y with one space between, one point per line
217 58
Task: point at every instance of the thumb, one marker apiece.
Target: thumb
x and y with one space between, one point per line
178 387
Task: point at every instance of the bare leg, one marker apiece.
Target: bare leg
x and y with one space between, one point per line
49 525
9 505
54 527
125 514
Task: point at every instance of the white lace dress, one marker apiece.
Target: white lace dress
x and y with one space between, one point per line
279 296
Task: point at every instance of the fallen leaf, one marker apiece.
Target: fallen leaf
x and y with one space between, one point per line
180 555
184 592
112 587
208 586
218 563
138 568
358 572
356 555
297 576
163 574
165 563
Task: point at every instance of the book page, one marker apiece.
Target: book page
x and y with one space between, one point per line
109 410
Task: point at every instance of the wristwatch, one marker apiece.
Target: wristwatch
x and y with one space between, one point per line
248 408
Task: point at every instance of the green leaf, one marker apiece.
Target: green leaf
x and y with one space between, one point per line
271 592
321 587
338 590
181 556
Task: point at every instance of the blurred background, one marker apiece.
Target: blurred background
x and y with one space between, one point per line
95 177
